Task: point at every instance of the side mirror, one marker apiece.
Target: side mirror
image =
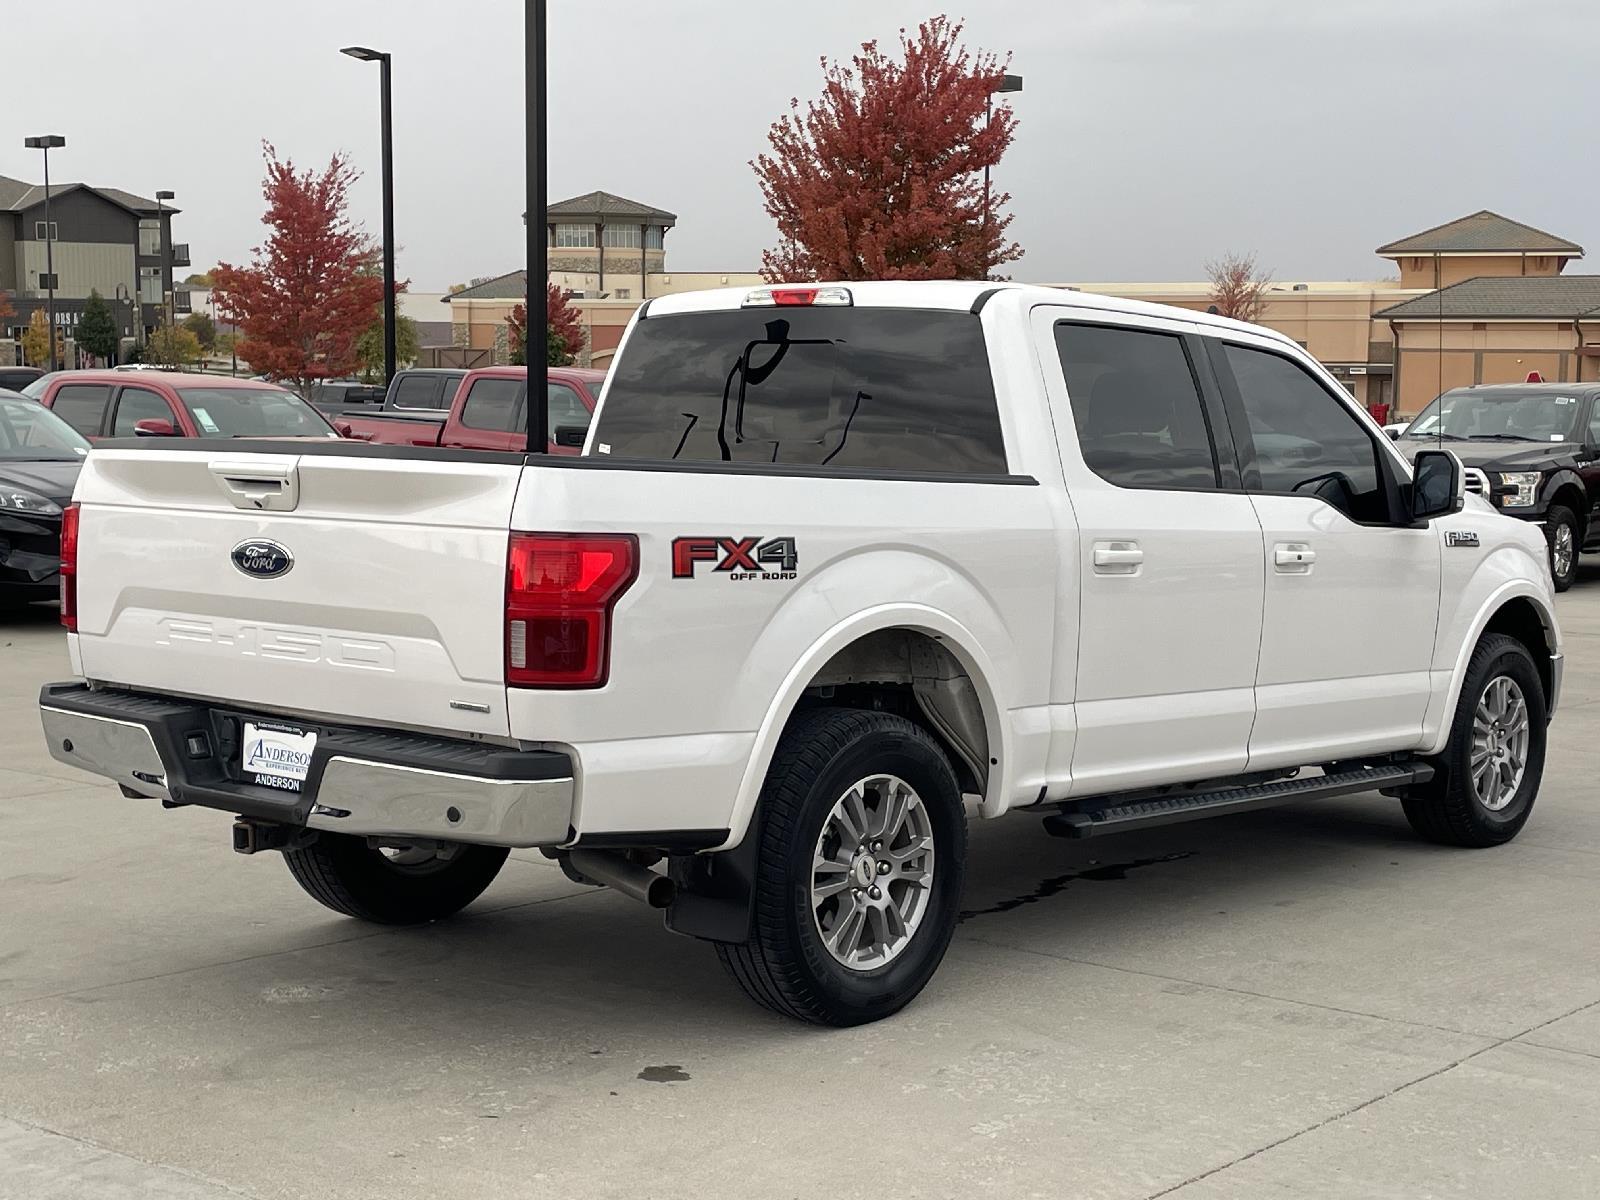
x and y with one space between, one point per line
1392 433
572 435
1438 487
153 427
344 429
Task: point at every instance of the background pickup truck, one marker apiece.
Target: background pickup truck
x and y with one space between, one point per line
839 564
486 411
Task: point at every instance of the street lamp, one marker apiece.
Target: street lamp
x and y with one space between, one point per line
538 204
1006 83
381 57
47 143
169 302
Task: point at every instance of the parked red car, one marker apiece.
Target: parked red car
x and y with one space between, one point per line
101 404
489 412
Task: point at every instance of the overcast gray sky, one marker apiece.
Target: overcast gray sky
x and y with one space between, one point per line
1154 133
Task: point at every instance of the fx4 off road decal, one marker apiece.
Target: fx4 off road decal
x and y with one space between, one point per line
737 558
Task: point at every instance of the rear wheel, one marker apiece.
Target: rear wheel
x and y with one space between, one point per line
861 854
1561 532
1490 770
408 886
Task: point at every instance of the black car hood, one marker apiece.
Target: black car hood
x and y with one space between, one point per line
1499 456
52 480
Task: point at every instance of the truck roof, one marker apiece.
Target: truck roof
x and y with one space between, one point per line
954 295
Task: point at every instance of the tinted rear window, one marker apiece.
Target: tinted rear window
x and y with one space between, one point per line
850 388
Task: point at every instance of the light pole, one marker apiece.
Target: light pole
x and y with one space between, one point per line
47 143
1007 83
169 302
381 57
538 186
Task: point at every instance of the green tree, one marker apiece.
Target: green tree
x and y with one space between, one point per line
172 347
36 340
97 328
204 329
200 279
369 346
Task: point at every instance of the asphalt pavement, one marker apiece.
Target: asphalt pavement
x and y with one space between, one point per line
1306 1002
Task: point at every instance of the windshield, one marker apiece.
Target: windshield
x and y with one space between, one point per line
30 432
1487 415
36 389
253 412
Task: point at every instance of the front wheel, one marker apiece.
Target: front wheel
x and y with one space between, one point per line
407 886
1561 532
862 849
1490 770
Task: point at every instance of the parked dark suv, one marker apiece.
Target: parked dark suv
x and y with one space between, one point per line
1534 450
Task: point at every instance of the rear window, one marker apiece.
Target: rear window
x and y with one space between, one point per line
844 388
252 412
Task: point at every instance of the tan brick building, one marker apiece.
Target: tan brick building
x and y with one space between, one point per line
1481 299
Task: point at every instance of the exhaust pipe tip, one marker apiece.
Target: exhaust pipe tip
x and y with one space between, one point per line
614 870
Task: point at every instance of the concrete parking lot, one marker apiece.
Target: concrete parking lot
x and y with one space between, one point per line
1308 1002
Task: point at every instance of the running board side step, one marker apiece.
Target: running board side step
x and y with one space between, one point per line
1168 810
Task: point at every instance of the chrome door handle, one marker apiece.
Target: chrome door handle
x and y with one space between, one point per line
1293 558
1117 558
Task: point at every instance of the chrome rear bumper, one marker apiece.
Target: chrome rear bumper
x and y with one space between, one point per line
374 784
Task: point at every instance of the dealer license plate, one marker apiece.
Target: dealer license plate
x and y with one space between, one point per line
276 756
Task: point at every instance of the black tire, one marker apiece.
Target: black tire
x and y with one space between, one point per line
1448 810
1557 520
785 966
348 876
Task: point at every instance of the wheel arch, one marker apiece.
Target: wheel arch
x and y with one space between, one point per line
950 636
1569 493
1517 610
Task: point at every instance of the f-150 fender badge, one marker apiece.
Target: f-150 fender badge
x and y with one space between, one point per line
737 558
1460 537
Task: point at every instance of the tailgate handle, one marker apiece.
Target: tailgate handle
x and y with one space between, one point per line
257 486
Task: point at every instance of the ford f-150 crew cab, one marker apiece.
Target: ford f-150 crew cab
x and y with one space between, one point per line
834 559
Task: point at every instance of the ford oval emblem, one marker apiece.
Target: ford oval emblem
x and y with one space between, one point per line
261 558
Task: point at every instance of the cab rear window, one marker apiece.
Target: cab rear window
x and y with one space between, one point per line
891 390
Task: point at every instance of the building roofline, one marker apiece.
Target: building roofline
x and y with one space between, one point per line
1395 249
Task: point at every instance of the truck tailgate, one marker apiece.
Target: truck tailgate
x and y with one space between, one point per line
391 610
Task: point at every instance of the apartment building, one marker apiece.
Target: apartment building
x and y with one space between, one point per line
100 239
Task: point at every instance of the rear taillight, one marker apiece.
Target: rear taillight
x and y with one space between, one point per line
69 567
560 590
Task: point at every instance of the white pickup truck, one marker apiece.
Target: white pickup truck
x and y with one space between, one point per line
835 558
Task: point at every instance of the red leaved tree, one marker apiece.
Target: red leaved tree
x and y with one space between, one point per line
304 301
565 336
5 306
882 177
1238 290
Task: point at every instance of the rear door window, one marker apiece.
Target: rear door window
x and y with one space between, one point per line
83 406
566 408
865 389
1137 408
418 391
135 405
491 404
